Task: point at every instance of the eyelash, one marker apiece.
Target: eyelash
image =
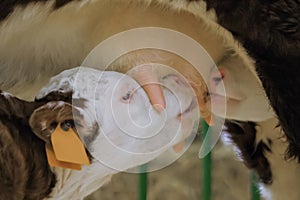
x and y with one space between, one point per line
127 96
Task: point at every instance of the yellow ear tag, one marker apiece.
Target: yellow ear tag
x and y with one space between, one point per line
56 163
68 147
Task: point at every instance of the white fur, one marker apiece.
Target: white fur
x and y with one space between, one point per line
76 185
98 88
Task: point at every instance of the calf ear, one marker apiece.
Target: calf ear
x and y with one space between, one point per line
46 118
65 96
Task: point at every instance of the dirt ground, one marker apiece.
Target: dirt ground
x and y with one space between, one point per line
182 179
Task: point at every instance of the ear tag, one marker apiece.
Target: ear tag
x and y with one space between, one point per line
68 147
56 163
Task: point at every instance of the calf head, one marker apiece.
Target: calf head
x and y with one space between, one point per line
113 115
244 96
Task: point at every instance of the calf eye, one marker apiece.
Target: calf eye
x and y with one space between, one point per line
127 96
66 125
217 79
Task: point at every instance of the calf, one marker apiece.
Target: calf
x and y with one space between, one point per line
270 31
26 127
39 39
253 131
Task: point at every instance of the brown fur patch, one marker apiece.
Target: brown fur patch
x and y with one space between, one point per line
24 170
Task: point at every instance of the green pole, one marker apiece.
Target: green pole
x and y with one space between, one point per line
206 168
143 183
254 187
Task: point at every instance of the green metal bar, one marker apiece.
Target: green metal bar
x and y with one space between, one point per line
143 183
254 187
206 168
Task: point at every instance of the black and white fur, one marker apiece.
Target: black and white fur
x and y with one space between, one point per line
270 31
41 38
261 147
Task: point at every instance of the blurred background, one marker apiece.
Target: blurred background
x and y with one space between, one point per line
182 179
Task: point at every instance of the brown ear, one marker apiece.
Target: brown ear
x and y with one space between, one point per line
45 119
